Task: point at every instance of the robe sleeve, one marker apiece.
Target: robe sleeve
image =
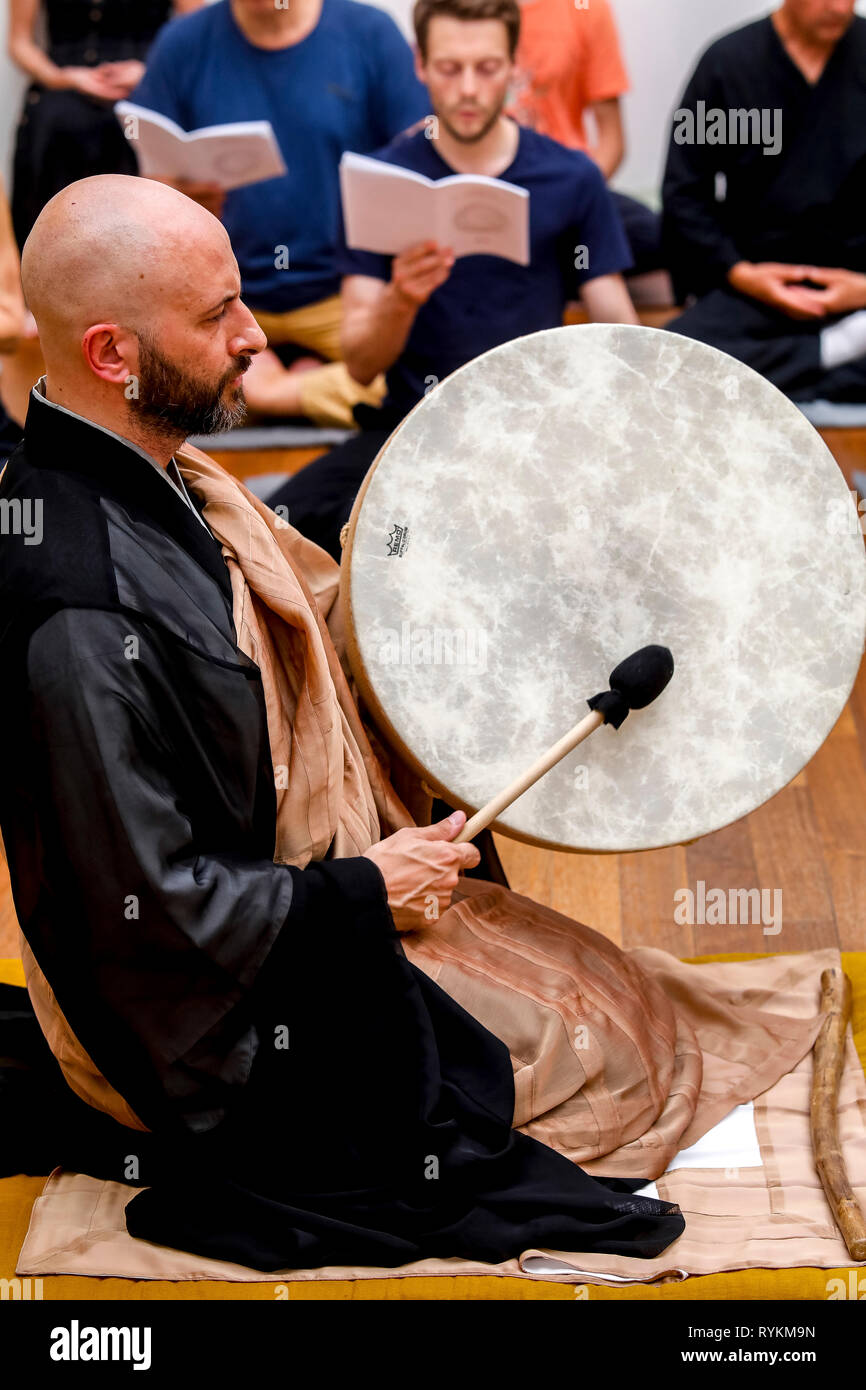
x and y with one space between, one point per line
700 251
172 925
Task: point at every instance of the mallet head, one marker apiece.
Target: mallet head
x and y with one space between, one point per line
634 683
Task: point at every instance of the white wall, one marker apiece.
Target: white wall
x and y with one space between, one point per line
661 40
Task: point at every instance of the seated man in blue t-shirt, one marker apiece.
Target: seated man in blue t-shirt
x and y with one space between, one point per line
421 315
330 75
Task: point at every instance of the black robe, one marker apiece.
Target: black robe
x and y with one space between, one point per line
804 204
138 811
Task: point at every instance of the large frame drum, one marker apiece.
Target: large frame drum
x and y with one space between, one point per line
563 500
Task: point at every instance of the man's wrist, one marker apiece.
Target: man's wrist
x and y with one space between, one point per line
400 305
739 273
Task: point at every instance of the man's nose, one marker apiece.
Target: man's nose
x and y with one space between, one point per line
250 338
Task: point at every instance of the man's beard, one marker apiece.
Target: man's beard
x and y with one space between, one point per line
177 400
480 134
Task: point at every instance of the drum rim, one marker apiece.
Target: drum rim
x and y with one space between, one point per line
377 710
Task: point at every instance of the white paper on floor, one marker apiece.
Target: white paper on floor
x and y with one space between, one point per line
732 1143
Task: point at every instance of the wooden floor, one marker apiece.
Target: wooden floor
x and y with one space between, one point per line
809 841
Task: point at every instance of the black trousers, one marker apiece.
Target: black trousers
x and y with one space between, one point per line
642 227
784 350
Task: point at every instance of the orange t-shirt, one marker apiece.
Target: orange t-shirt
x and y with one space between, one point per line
567 59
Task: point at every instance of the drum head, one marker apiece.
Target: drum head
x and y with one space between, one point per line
556 504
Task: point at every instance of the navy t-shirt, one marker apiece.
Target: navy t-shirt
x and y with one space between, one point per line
575 235
349 85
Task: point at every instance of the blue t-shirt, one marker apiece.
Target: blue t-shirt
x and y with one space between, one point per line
575 235
349 85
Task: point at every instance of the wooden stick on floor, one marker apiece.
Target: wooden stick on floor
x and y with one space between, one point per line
829 1056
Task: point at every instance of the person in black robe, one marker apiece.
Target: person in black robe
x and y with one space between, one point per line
765 199
138 811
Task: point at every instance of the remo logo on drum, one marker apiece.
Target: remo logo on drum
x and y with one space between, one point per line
398 539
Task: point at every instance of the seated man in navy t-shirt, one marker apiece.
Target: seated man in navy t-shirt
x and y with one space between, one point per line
421 315
330 75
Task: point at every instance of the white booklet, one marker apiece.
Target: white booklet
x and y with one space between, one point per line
388 209
230 155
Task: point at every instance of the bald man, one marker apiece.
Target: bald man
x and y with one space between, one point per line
247 1039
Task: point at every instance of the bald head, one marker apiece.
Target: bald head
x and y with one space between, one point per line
115 249
136 294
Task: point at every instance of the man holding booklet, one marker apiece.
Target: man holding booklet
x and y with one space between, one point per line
419 313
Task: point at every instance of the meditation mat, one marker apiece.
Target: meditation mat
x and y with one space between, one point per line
849 415
749 1191
282 434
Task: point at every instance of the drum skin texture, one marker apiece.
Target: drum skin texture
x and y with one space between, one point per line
560 502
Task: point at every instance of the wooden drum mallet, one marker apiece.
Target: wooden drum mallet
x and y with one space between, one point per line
634 684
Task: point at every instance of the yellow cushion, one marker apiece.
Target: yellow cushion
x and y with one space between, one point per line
12 972
18 1194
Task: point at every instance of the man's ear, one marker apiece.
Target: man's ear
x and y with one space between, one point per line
420 65
110 352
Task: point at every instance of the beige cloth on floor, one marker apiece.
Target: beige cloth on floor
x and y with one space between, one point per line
620 1058
772 1216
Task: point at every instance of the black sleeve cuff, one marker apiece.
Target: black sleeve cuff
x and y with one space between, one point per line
335 903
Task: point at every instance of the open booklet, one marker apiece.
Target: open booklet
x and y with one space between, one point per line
388 209
229 155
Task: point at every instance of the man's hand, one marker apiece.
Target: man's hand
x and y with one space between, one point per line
842 292
420 870
210 196
778 285
419 270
